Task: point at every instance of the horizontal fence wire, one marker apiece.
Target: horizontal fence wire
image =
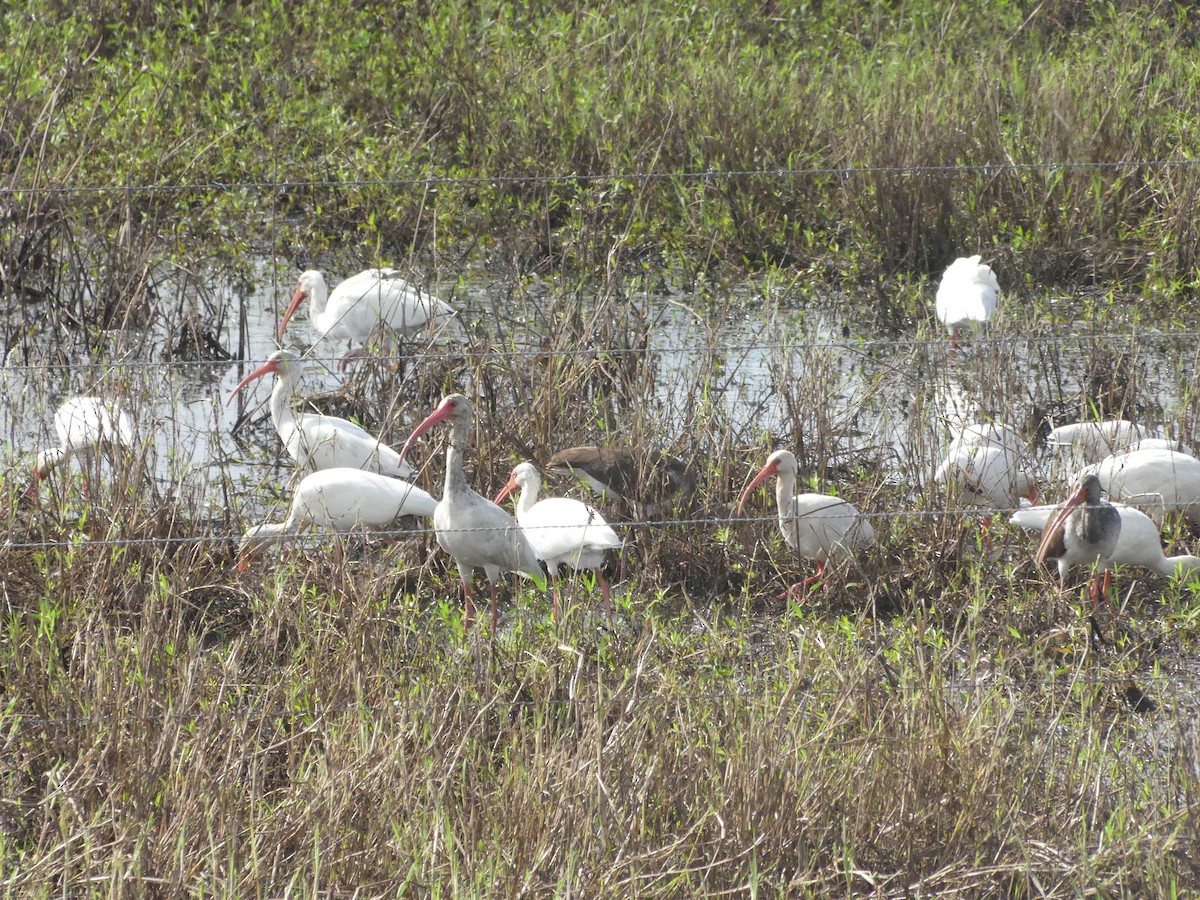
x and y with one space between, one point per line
571 178
82 541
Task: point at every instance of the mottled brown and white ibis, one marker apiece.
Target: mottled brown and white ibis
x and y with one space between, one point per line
1158 481
316 441
341 501
562 531
1138 544
362 303
652 482
476 533
1083 531
966 296
817 526
85 426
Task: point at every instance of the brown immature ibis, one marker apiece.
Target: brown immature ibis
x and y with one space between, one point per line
817 526
652 482
1083 532
476 533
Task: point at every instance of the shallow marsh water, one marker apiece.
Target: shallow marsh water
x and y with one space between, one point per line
821 380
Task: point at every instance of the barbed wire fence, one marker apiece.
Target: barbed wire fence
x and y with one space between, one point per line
1170 341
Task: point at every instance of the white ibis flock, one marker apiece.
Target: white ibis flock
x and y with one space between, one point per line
355 482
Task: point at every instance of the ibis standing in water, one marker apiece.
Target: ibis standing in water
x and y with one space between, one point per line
362 303
561 530
317 441
341 500
1082 532
85 426
966 297
987 464
476 533
817 526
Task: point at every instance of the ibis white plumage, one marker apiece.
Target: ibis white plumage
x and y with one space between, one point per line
987 462
340 501
966 297
562 531
817 526
84 426
362 303
1158 481
476 533
316 441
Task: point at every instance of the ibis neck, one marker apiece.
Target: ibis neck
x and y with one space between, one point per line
282 396
785 493
529 496
456 480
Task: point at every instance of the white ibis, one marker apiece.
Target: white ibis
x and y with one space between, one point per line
1161 481
561 530
341 500
363 302
318 441
84 425
986 462
1082 532
1090 442
1161 443
966 297
476 533
817 526
652 483
1138 544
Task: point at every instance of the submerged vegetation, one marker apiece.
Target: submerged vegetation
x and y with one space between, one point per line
937 718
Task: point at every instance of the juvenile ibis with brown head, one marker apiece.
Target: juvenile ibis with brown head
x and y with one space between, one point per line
817 526
1082 532
362 303
561 530
1138 544
476 533
653 482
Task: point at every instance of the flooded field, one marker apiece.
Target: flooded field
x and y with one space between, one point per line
718 377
